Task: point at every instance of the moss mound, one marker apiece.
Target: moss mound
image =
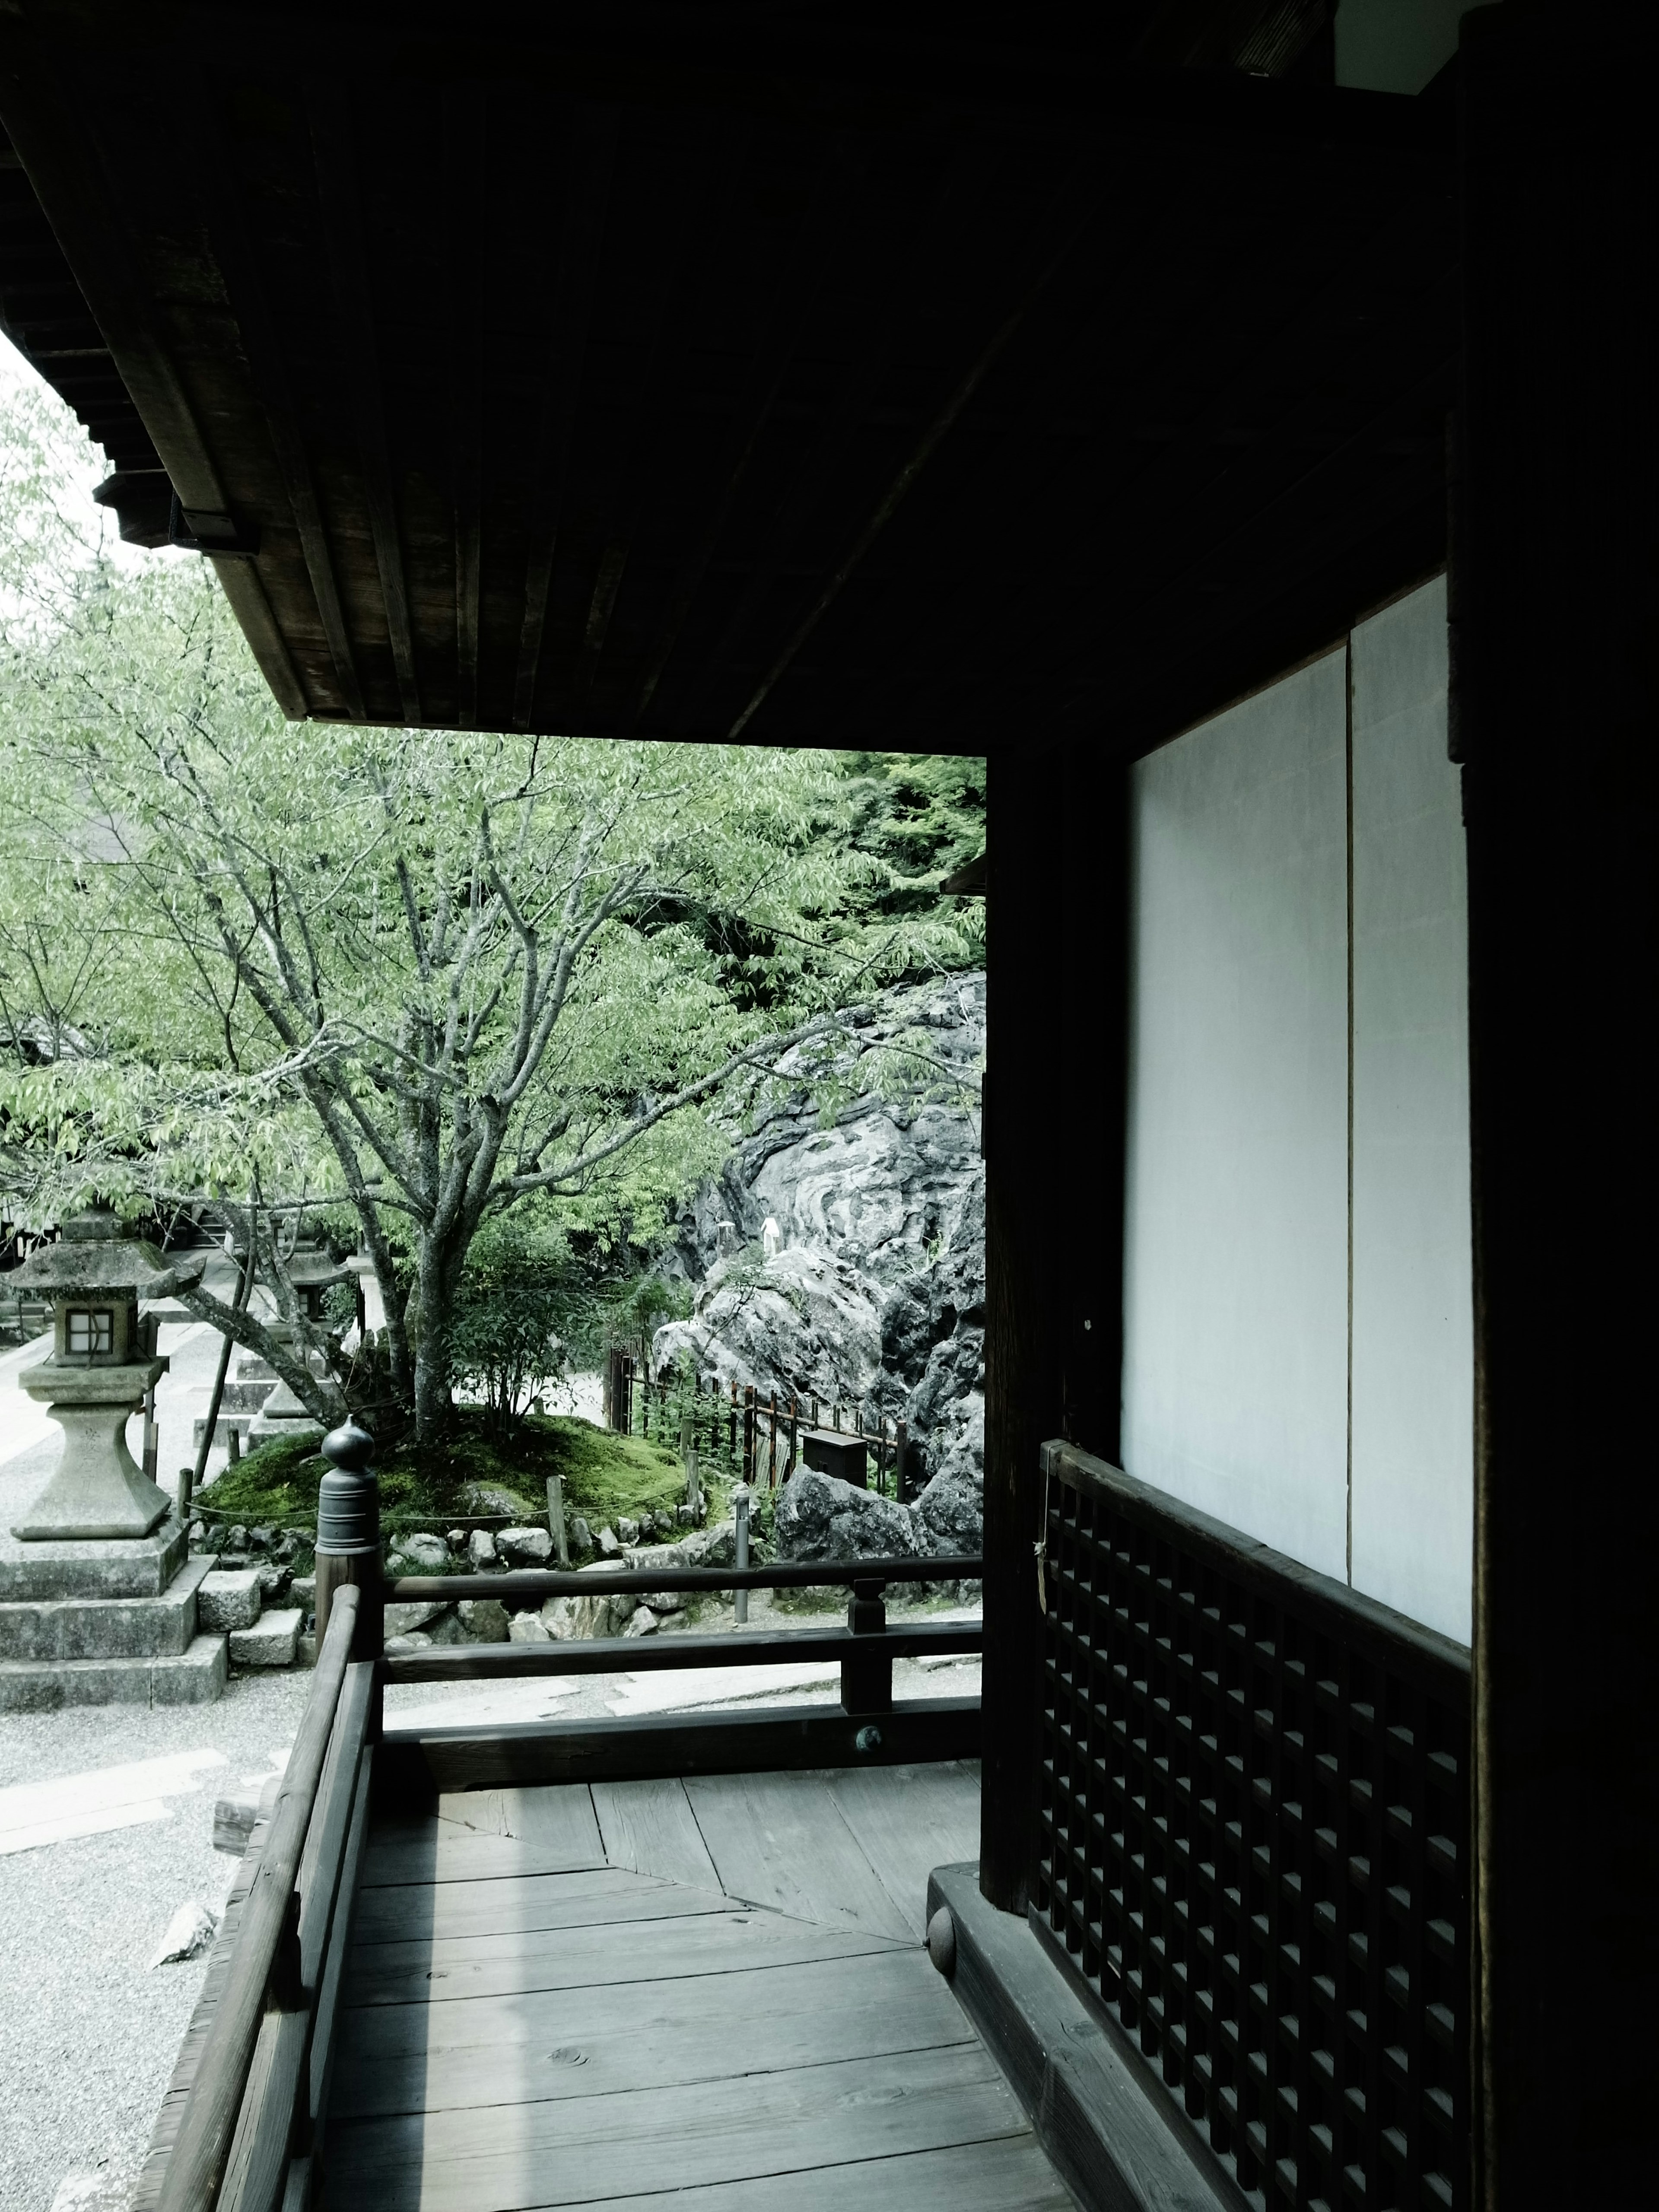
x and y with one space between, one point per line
603 1475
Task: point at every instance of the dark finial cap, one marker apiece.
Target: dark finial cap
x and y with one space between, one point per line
350 1448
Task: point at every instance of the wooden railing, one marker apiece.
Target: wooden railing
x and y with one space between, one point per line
250 2132
1252 1844
867 1644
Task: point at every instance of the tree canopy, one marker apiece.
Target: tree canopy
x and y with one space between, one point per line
406 978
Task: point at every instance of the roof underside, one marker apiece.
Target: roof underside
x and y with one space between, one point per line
734 372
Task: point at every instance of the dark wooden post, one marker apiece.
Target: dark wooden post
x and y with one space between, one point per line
1552 695
867 1673
1052 1134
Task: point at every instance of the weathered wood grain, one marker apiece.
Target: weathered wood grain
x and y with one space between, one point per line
780 1840
480 1835
650 1826
579 2150
517 1904
1012 2174
721 1940
909 1823
608 2038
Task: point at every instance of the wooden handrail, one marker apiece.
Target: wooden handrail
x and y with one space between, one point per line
640 1655
636 1582
196 2166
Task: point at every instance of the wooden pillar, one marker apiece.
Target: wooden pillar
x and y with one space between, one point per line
1553 719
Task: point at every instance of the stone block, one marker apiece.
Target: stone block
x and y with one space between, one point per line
140 1567
481 1550
524 1548
228 1599
105 1628
485 1620
418 1554
303 1591
405 1620
271 1642
194 1677
528 1628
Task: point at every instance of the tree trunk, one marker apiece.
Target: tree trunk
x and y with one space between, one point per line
428 1342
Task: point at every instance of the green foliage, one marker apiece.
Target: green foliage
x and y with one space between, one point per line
917 817
425 1484
514 1297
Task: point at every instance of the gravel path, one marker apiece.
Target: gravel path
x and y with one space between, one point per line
88 2031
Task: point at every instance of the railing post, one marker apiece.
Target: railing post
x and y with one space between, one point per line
740 1515
349 1540
901 1440
555 1527
866 1675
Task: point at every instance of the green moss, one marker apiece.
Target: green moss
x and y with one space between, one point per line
605 1475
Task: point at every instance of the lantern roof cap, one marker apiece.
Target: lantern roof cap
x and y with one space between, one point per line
99 1256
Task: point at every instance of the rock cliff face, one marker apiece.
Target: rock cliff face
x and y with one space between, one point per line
876 1294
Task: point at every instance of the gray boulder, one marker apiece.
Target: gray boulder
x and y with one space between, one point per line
524 1548
807 1322
950 1512
481 1551
483 1619
405 1620
418 1554
821 1517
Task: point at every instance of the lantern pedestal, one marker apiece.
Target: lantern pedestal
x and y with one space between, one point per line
97 1491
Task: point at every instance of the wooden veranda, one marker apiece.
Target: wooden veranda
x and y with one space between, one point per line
983 380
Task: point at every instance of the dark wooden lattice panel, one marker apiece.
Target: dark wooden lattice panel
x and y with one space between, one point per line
1251 1845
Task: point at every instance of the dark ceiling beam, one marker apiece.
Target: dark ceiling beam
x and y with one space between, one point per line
1032 612
466 152
1264 38
699 212
591 154
226 231
829 449
752 410
334 151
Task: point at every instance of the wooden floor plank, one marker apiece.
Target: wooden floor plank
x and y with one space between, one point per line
908 1821
780 1840
482 1835
611 2039
519 1903
571 1957
1010 2175
582 2150
650 1826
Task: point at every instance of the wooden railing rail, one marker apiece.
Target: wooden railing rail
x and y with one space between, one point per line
867 1644
635 1581
248 2113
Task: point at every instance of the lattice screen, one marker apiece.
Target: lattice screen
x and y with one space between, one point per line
1252 1844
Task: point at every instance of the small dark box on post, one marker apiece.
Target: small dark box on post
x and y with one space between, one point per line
832 1452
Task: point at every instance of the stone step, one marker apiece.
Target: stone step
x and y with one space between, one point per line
244 1397
194 1677
240 1422
56 1629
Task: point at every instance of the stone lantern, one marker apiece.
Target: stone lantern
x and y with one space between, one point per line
102 1361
